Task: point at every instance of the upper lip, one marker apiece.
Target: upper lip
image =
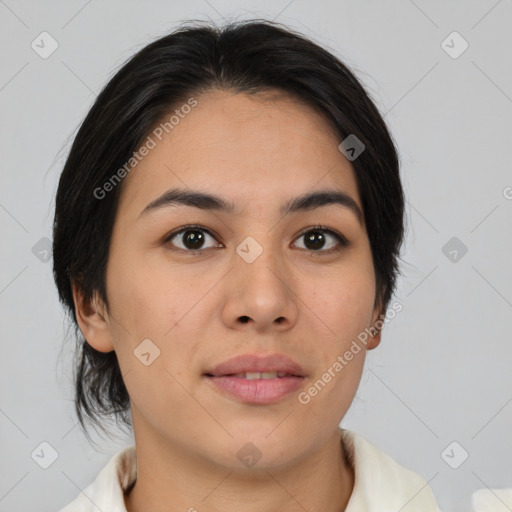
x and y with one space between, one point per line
257 363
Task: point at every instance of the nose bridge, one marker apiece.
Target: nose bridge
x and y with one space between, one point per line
260 249
260 269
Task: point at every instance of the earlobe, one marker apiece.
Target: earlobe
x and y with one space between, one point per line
91 320
377 324
374 341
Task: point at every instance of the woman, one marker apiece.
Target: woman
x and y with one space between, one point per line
226 239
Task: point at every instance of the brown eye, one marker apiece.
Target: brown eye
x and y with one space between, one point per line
192 238
317 238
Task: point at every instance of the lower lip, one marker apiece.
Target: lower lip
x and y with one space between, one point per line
257 391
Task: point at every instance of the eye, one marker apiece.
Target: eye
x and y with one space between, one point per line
315 239
192 237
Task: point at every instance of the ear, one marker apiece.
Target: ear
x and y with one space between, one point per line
90 316
376 325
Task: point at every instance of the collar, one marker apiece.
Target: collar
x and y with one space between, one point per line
381 484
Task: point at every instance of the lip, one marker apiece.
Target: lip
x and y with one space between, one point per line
257 363
257 391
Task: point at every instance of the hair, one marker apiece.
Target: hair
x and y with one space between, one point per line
244 57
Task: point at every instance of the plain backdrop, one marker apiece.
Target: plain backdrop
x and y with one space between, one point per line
439 387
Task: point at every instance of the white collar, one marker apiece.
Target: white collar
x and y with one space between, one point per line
381 484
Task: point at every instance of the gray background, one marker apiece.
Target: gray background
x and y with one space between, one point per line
442 372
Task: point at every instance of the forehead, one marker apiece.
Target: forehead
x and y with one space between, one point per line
251 149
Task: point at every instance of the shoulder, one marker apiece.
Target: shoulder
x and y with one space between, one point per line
107 490
381 483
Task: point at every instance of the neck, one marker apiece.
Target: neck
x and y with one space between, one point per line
323 481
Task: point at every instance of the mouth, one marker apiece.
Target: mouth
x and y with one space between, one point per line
255 366
256 375
261 388
256 379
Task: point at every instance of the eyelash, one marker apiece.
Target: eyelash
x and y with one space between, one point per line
340 238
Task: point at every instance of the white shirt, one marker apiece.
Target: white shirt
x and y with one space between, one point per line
381 483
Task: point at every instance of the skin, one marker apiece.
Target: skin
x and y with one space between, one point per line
257 151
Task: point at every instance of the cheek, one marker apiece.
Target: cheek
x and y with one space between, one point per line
341 308
341 303
141 295
331 391
148 307
149 303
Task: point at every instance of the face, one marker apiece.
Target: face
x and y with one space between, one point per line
253 280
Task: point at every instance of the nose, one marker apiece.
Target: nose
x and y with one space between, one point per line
260 292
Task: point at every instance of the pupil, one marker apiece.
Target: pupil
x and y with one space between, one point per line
193 239
315 240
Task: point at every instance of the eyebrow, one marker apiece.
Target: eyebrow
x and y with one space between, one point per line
206 201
